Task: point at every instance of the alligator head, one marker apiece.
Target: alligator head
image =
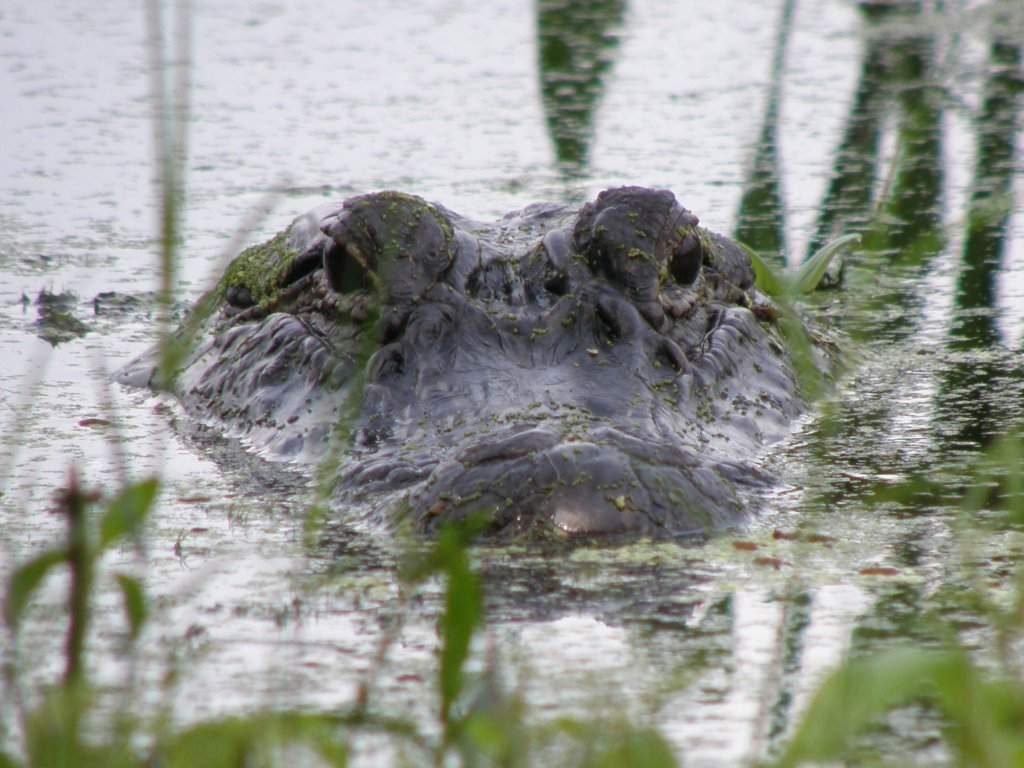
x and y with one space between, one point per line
587 371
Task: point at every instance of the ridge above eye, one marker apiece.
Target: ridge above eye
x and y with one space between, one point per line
401 242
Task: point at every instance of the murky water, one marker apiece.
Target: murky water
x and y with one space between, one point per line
468 104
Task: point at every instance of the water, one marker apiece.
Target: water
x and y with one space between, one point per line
469 105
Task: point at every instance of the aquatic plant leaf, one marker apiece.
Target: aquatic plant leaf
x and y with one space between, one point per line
637 748
917 489
996 481
986 714
862 690
128 511
463 601
999 468
801 350
1011 454
781 288
779 284
812 270
463 612
453 538
25 580
767 279
607 744
496 738
345 427
253 740
135 605
53 731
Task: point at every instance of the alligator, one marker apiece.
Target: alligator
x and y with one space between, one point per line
604 369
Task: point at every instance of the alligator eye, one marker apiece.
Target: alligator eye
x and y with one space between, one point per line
239 296
386 362
686 259
344 272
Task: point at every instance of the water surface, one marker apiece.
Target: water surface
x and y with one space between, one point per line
487 107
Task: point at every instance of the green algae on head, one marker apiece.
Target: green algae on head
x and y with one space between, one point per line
258 272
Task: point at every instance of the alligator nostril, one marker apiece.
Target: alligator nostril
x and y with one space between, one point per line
385 362
428 326
557 284
686 260
618 318
609 322
392 325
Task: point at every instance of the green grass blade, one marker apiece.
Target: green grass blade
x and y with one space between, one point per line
861 691
128 511
135 605
639 748
773 283
26 580
252 740
814 268
463 613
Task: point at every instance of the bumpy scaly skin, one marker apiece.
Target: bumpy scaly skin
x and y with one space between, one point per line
590 371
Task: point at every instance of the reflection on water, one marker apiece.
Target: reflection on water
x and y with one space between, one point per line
982 391
971 387
761 220
718 645
847 202
900 212
992 198
576 41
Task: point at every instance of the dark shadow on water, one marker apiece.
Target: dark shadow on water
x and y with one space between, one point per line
577 41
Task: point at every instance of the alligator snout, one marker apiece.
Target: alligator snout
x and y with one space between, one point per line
533 479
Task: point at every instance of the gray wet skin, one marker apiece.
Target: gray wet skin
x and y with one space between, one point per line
587 371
